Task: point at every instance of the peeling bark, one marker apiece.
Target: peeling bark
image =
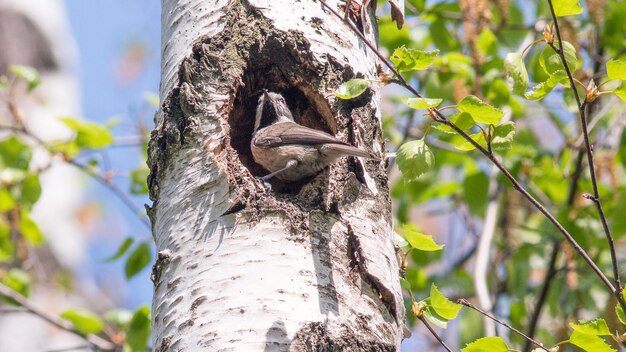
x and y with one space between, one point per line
305 267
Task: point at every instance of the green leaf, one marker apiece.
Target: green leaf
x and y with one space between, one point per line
487 344
405 284
14 154
616 69
590 343
441 36
422 103
462 120
6 200
502 136
121 250
433 317
475 190
481 112
487 42
551 62
621 92
515 68
4 82
438 190
29 229
542 89
419 240
138 180
83 320
352 89
138 259
620 314
7 247
406 59
478 137
88 134
414 159
138 331
31 190
442 305
28 74
566 7
19 281
456 63
592 327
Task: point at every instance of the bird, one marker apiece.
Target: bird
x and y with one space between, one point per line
288 150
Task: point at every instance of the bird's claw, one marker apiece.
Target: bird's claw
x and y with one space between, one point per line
266 185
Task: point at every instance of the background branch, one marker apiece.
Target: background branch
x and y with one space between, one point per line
582 109
93 340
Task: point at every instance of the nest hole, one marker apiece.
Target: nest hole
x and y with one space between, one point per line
308 107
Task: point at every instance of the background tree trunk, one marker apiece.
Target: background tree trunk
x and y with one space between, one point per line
307 266
36 33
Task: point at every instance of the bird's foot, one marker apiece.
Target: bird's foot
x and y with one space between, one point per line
266 184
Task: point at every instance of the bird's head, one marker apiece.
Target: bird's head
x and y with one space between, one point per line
272 108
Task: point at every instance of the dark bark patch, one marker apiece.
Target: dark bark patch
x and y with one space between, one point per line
315 337
165 344
358 261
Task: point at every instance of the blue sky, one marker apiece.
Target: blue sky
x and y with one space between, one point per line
119 49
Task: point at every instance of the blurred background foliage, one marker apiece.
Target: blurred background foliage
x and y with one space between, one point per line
536 280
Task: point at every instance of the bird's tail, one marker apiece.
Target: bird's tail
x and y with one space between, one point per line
348 150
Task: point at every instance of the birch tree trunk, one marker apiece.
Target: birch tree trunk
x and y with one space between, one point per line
302 267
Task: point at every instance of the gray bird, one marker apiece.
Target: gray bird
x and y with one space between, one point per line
291 151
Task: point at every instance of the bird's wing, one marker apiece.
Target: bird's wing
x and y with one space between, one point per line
292 133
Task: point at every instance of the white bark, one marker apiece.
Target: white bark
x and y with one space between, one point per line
246 269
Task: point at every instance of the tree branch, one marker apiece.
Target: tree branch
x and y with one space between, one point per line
503 323
93 340
432 331
582 108
114 189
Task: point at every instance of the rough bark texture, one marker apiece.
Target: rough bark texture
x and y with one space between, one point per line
304 267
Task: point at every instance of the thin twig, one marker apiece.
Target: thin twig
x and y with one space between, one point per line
466 303
552 270
582 108
432 331
52 319
439 117
114 189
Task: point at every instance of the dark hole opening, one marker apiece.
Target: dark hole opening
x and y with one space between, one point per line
309 109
